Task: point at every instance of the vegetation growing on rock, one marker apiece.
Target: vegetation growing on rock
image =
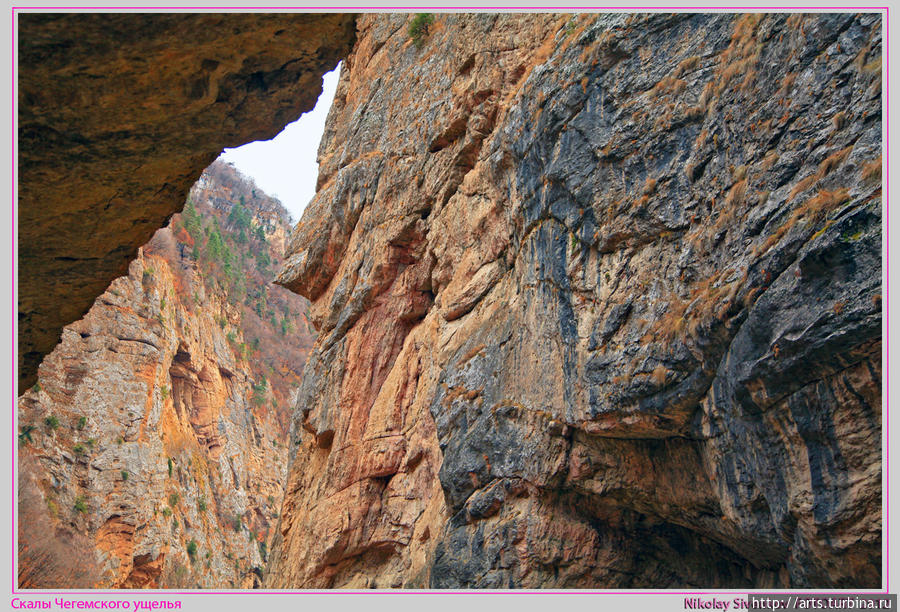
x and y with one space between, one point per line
419 27
183 425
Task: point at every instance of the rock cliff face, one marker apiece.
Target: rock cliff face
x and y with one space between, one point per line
153 448
598 303
118 116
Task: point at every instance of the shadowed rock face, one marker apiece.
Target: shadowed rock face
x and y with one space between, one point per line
599 305
118 116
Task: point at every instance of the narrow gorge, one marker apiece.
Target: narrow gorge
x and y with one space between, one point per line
594 301
153 446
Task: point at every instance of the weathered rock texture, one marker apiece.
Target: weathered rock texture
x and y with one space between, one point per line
161 419
118 116
598 301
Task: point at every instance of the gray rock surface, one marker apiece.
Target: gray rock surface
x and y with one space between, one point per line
610 286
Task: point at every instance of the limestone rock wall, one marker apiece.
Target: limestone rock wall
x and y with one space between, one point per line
118 114
153 449
599 305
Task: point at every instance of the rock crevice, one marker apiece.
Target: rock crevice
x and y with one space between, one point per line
676 383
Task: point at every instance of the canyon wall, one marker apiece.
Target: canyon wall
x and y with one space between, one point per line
598 301
118 114
153 446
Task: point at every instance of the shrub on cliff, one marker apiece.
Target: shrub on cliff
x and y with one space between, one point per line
263 261
419 28
192 222
192 549
25 434
263 552
216 249
259 391
239 216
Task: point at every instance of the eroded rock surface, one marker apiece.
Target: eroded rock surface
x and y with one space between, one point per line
119 113
153 447
598 302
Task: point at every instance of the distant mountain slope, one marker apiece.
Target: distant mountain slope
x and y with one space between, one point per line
152 450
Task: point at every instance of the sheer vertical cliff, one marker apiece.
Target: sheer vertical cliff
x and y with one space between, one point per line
153 447
599 305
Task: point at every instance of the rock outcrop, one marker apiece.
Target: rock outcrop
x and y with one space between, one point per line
599 305
119 113
153 447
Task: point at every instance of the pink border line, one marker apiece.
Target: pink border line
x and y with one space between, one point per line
886 308
885 10
141 592
701 9
13 248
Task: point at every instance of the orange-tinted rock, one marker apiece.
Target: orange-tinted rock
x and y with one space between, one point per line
154 449
610 284
118 115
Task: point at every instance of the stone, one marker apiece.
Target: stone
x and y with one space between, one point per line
598 299
166 464
119 113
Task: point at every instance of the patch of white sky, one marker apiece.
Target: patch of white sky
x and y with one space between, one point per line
285 167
